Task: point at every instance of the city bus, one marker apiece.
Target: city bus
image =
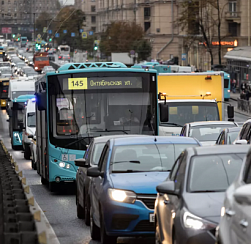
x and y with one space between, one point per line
16 120
23 41
85 100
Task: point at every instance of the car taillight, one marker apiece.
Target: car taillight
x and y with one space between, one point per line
59 57
68 57
5 91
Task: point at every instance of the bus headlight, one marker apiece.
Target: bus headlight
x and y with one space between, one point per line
228 90
61 164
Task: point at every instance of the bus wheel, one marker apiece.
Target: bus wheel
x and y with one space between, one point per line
43 180
53 186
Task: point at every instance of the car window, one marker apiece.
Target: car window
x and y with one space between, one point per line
245 132
175 168
98 148
213 172
247 169
232 136
180 173
102 157
88 151
222 140
104 162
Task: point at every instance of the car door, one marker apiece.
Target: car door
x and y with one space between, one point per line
165 209
97 184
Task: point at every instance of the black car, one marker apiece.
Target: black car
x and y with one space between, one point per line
188 205
228 136
91 158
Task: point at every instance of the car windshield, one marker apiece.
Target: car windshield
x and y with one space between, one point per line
208 132
232 136
145 158
181 113
213 172
31 120
16 94
5 71
97 152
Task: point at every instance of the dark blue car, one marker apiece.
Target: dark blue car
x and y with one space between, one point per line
123 186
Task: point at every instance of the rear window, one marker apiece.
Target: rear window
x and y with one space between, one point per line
213 173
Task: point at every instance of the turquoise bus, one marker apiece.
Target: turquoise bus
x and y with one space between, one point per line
16 120
85 100
227 85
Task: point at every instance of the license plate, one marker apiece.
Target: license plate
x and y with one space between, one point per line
151 218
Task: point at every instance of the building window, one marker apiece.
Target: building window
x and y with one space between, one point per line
147 13
147 26
93 19
232 8
232 29
93 8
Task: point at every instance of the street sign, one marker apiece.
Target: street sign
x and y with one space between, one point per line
6 30
57 35
72 34
65 31
97 42
49 31
183 56
44 29
132 52
38 36
39 40
90 33
81 30
84 35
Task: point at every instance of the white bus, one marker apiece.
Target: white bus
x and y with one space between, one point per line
64 49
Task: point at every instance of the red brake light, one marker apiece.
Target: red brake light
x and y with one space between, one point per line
60 57
4 91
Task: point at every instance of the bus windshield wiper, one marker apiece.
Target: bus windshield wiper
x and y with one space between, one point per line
127 171
167 123
80 139
125 131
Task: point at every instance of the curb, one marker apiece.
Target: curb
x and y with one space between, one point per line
42 232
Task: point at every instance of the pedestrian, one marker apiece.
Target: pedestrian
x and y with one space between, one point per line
234 85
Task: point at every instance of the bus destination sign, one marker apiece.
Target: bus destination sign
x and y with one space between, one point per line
102 83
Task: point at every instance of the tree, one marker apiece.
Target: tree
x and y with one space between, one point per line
121 37
143 48
42 21
201 19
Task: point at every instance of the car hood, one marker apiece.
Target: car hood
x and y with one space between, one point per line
205 205
141 183
207 143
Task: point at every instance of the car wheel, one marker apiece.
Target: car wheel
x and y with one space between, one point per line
104 238
80 209
157 233
95 232
27 153
87 210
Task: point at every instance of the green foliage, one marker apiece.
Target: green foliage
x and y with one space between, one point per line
143 48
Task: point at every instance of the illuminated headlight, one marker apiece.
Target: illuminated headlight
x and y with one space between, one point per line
61 164
36 67
228 90
122 196
194 222
68 166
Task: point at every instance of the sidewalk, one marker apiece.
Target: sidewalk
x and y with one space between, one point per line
234 96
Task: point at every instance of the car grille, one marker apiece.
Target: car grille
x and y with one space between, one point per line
148 200
144 225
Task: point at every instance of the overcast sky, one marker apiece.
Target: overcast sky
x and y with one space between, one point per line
67 2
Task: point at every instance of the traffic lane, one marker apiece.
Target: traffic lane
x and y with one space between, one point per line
59 208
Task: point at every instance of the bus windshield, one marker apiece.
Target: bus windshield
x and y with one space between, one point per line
41 58
94 106
16 94
182 113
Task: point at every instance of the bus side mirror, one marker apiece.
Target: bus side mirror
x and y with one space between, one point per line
41 101
230 113
164 116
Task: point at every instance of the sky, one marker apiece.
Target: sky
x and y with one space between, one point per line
67 2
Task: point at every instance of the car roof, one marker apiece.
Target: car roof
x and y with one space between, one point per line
106 138
139 140
211 123
233 129
223 149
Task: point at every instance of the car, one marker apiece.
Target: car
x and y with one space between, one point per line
5 72
206 132
64 57
244 136
235 223
228 136
189 201
123 186
47 69
90 159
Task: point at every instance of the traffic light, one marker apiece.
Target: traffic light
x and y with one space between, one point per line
18 38
95 47
50 39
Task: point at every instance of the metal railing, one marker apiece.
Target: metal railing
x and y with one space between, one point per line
244 105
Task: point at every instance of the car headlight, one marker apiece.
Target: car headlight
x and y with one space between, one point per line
192 221
36 67
122 196
223 211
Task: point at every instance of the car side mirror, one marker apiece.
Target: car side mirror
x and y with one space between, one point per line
81 162
164 117
166 187
30 136
241 142
94 172
243 195
230 113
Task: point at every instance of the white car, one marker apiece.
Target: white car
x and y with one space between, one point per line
235 223
206 132
29 126
33 150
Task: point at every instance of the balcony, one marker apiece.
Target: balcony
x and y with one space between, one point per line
234 16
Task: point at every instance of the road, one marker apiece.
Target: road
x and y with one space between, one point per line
60 208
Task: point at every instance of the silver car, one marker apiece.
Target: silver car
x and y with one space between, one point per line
235 223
